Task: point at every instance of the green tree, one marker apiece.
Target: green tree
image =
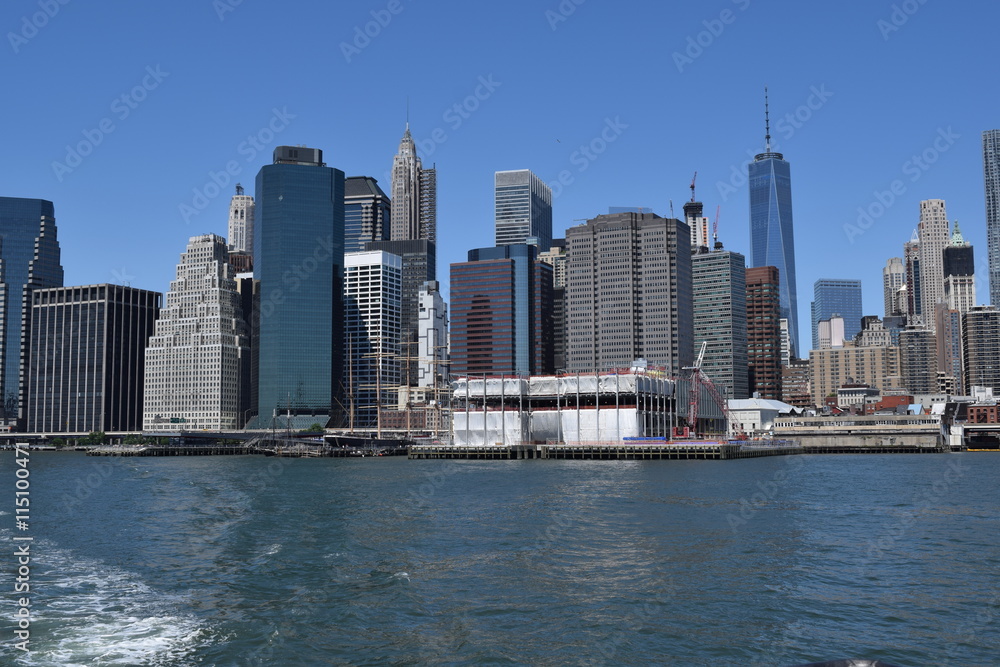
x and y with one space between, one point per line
93 439
58 442
315 427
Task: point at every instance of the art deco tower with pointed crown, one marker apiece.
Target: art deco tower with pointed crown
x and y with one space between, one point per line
414 194
772 241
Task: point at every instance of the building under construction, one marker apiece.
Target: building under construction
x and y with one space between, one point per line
578 408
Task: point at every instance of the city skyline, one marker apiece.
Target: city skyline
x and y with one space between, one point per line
603 148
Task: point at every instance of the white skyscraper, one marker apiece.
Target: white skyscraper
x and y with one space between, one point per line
241 210
193 358
414 195
932 232
433 336
372 297
893 277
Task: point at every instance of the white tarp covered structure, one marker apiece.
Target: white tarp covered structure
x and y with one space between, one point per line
493 427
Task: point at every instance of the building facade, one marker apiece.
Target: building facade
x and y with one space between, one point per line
523 209
241 212
194 358
432 331
501 313
299 259
914 291
991 179
419 266
720 305
772 237
763 332
628 293
981 346
556 258
86 358
959 269
933 234
29 259
832 368
893 278
367 213
918 360
836 297
372 298
414 195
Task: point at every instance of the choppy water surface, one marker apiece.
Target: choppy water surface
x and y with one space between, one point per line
254 561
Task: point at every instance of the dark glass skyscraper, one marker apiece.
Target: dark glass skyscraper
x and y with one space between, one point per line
299 259
772 241
366 213
836 297
29 259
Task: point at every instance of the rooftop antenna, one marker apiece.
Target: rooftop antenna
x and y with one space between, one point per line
692 185
407 112
767 124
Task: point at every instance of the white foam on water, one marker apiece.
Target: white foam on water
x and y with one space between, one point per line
86 613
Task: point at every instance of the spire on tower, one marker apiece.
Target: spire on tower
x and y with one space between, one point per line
767 124
956 237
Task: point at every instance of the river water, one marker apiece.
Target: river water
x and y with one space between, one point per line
262 561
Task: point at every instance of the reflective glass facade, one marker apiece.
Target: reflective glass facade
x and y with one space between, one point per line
523 209
299 258
366 213
29 251
772 241
836 297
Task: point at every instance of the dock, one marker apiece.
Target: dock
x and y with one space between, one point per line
609 451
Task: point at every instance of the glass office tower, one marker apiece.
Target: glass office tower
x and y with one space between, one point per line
772 241
29 259
299 259
836 297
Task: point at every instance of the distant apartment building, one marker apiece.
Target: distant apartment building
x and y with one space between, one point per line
893 279
86 358
194 358
832 368
991 180
432 331
763 332
241 216
719 297
918 360
981 343
628 293
932 231
556 257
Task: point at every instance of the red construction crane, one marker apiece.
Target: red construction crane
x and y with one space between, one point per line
699 380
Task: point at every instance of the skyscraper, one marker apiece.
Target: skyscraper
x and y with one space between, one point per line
523 204
836 297
981 347
414 196
556 258
194 358
86 358
241 211
932 231
720 306
772 239
432 327
366 213
959 270
991 178
501 312
372 285
918 359
29 259
914 292
628 293
299 258
763 332
893 277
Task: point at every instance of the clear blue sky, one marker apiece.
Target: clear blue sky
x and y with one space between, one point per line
201 77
